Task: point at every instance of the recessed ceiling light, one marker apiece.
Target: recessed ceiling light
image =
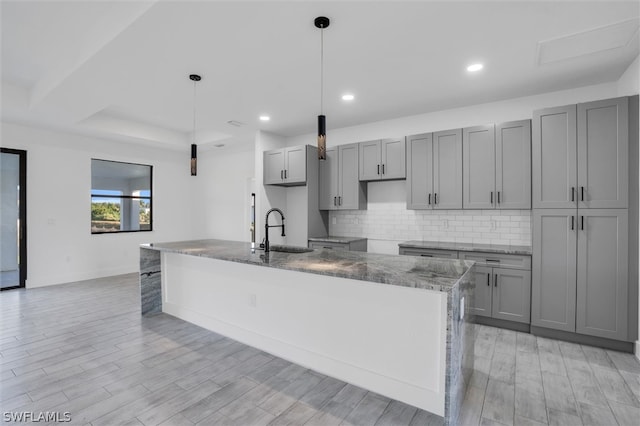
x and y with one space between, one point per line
474 67
348 97
265 118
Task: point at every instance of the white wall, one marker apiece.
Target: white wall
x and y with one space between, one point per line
60 246
221 195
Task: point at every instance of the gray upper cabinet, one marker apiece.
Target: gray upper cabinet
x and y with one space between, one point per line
513 165
285 166
339 186
602 284
553 287
603 154
328 180
497 166
580 155
479 167
554 158
382 159
434 170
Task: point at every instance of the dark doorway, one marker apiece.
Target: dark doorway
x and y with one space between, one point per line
13 218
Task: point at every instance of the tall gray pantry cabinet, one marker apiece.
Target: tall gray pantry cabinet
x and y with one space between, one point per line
581 279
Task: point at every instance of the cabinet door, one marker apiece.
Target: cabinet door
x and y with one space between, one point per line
393 159
370 161
296 164
602 273
553 275
603 154
350 189
554 158
482 295
328 181
511 295
273 164
513 165
447 169
479 167
419 171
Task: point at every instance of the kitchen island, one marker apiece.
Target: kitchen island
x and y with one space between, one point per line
395 325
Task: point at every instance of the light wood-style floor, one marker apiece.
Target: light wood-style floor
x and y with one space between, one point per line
83 348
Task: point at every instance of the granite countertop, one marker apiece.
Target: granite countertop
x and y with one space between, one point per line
406 271
487 248
335 239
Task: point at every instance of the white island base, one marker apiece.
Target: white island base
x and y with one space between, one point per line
385 338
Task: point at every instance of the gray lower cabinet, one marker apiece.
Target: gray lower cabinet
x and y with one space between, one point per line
426 252
503 286
580 155
553 273
350 245
497 166
339 186
382 159
434 170
602 286
580 271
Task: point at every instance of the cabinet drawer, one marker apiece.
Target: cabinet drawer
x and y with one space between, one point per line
498 260
328 245
444 254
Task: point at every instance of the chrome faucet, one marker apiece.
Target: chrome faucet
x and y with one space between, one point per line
267 226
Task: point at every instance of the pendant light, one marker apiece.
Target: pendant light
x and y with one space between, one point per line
322 22
194 148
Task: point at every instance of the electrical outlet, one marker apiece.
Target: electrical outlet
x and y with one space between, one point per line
333 220
252 300
461 308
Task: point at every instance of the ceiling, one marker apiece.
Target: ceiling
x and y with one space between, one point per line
119 69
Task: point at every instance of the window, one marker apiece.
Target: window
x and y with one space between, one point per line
121 198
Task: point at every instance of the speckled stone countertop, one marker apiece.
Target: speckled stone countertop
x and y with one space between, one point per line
487 248
335 239
407 271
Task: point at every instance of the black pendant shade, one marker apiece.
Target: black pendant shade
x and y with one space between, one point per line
194 159
322 137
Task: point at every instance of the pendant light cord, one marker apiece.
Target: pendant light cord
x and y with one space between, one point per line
321 70
194 112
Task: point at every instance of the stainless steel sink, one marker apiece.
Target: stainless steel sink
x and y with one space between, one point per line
289 249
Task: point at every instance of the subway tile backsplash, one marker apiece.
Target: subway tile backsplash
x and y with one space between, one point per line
392 221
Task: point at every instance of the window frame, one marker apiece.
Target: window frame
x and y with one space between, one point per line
124 197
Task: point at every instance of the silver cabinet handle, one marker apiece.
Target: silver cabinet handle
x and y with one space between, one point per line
498 197
426 255
582 193
572 225
435 198
285 173
335 201
488 280
378 168
339 200
491 197
582 223
492 260
383 169
281 174
495 280
573 193
429 198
